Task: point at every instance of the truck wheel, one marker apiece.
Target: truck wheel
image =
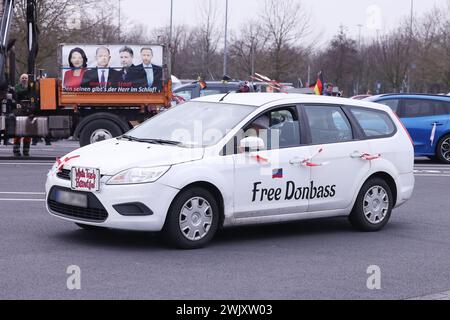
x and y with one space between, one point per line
373 206
443 149
99 130
192 220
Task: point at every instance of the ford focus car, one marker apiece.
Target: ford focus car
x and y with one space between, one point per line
238 159
427 118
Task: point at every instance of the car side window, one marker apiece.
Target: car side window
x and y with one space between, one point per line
328 124
415 108
391 103
279 128
442 108
374 123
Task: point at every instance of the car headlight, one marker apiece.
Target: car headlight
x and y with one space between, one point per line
138 175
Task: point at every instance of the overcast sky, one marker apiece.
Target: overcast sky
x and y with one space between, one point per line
327 15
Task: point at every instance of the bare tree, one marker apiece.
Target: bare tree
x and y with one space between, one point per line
340 61
287 22
246 50
63 21
178 48
394 52
208 38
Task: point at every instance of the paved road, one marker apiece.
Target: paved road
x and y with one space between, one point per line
322 259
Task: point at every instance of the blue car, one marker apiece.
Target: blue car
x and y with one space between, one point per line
427 119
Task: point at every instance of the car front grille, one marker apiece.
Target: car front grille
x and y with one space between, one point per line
89 214
64 174
95 212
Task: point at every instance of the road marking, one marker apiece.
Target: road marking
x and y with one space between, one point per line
25 193
28 200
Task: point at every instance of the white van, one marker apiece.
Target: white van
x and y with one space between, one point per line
238 159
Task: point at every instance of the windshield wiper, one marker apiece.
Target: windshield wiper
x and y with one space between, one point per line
130 138
153 141
162 141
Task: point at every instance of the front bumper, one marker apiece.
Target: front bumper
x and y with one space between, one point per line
155 196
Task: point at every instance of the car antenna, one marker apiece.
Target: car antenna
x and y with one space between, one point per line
224 96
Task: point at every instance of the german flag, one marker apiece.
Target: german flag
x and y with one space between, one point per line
318 88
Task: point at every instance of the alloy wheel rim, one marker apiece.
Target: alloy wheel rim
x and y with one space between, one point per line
445 149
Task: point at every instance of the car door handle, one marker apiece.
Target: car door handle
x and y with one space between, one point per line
437 124
365 156
307 163
296 161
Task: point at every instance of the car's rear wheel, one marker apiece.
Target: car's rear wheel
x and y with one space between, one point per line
192 220
443 149
373 206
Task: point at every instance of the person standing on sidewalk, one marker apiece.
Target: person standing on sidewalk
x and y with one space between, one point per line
22 93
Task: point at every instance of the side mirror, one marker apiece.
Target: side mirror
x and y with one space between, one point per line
251 144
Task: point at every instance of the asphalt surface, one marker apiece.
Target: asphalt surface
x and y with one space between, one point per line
320 259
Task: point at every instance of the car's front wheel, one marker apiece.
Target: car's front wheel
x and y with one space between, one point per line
192 220
443 149
373 206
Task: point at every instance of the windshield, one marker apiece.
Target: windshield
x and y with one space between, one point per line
192 124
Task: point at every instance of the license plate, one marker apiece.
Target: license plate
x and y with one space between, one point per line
85 179
71 199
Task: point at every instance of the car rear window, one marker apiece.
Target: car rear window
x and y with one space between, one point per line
374 123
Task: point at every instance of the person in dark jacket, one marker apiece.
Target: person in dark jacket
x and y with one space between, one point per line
102 76
131 76
153 72
22 94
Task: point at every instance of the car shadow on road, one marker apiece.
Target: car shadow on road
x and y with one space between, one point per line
112 239
299 229
149 240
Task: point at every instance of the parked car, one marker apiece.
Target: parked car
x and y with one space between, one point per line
194 90
361 96
241 159
427 118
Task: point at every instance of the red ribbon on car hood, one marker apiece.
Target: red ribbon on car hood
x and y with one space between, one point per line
61 163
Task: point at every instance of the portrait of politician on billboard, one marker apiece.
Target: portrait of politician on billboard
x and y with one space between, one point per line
111 69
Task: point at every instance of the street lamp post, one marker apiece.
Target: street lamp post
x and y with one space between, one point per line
225 50
170 36
171 23
252 54
119 33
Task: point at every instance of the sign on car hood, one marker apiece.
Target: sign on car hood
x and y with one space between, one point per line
113 156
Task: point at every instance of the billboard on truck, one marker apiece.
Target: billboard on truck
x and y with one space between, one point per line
111 68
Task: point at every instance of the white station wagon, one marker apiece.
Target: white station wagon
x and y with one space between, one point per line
238 159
